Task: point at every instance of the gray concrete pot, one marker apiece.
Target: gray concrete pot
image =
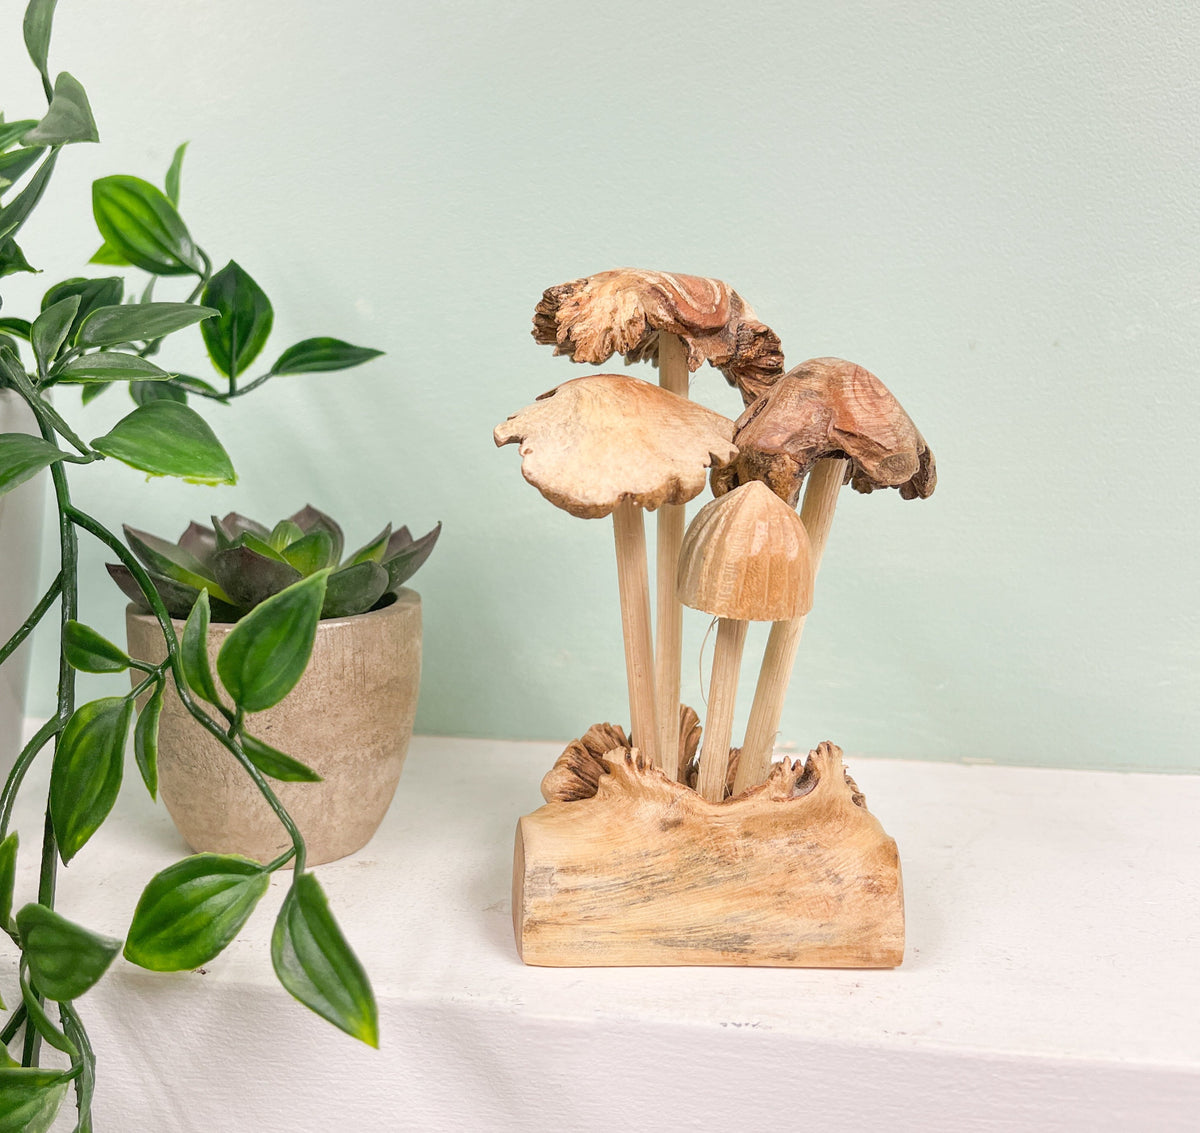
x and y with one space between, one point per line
349 718
21 514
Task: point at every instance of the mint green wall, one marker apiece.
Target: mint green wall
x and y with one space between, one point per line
992 206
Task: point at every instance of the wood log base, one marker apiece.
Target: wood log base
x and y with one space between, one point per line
626 867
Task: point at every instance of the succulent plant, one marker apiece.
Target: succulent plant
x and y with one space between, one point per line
242 563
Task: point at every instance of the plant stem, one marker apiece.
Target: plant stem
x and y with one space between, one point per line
27 625
24 761
14 1024
69 570
96 529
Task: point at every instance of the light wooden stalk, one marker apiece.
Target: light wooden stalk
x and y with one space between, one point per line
668 637
633 582
722 695
820 501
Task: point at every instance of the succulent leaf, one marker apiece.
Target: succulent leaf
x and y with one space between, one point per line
251 577
354 589
374 550
312 552
402 564
309 519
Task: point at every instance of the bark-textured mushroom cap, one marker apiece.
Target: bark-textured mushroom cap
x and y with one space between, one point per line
829 407
594 442
747 556
624 311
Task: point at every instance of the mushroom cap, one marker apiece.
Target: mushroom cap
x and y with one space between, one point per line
829 407
594 442
746 555
624 311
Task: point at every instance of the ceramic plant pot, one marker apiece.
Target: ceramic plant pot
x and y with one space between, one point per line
349 718
21 513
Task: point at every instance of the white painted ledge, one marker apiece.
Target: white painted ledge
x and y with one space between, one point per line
1050 981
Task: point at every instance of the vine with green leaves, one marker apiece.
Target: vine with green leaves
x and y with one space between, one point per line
88 335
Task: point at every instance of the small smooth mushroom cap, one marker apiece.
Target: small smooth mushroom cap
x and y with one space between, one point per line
829 407
747 556
594 442
624 311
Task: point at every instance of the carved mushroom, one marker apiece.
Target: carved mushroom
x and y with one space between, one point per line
677 322
839 422
612 445
630 312
746 557
829 408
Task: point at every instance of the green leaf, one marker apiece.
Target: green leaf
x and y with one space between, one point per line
315 354
11 132
404 556
145 392
110 366
192 910
139 221
8 877
267 652
40 1020
311 553
17 211
12 259
138 322
107 255
65 959
145 738
106 291
168 439
30 1098
69 118
239 332
314 962
373 551
172 560
22 457
309 519
38 23
174 174
88 652
284 534
193 652
354 589
271 761
178 597
19 327
50 330
85 777
92 390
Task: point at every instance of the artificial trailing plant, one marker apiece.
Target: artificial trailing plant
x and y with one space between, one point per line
85 334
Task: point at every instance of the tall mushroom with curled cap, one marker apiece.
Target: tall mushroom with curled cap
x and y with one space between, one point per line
746 557
677 322
612 445
832 421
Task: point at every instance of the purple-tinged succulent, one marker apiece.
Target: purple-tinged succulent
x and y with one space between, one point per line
242 563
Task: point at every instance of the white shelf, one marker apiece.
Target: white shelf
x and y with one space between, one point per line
1050 980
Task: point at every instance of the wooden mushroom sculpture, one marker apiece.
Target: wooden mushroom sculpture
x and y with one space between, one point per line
746 557
613 445
677 322
829 420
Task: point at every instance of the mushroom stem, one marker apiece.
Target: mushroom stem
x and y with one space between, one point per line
633 582
668 636
758 748
722 694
